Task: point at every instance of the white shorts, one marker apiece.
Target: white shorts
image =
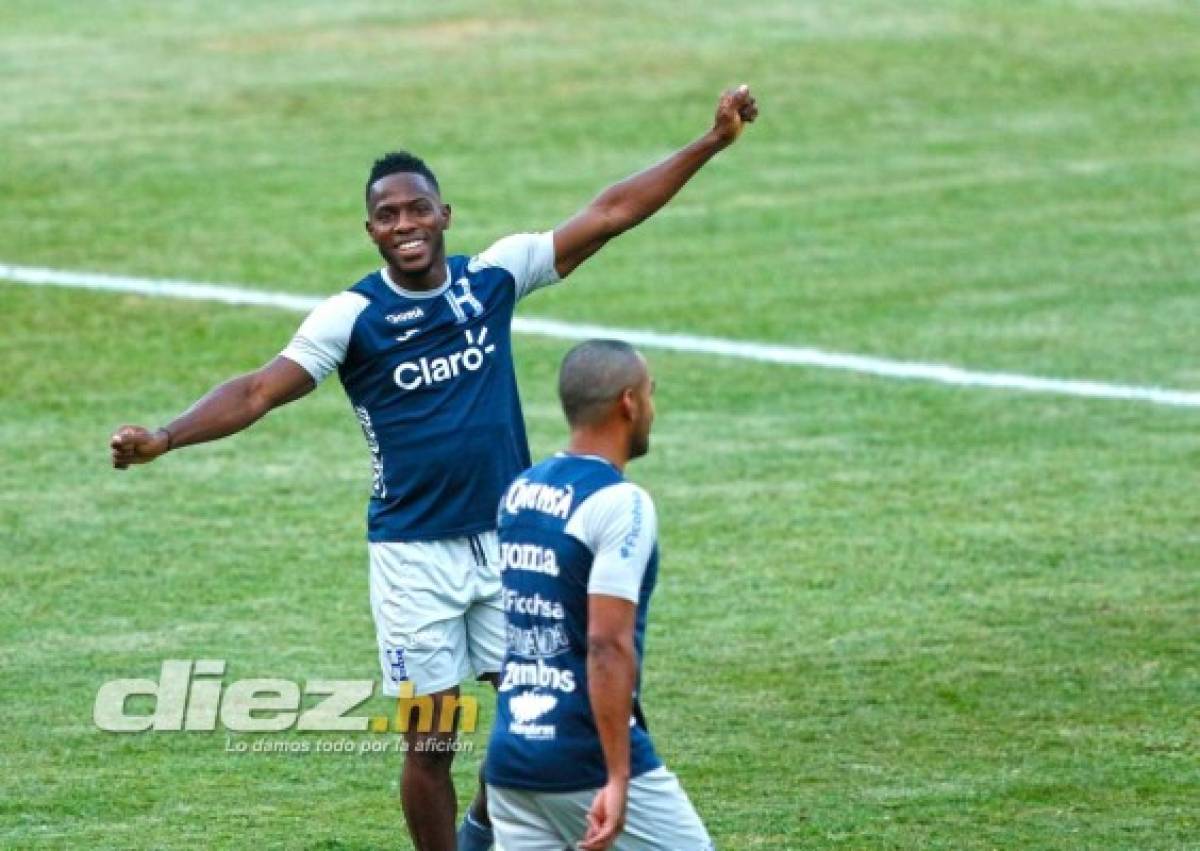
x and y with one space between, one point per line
658 817
439 619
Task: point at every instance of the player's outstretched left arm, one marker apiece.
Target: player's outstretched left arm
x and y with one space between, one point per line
630 202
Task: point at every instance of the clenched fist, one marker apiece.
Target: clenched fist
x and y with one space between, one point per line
735 110
136 445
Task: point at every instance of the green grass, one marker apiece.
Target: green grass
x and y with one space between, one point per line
891 615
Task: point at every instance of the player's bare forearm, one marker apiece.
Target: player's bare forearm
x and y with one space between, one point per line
630 202
633 200
612 677
225 410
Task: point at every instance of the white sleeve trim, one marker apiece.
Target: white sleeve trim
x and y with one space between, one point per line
320 344
619 525
528 257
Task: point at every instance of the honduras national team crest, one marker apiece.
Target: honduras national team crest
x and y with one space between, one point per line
396 667
463 302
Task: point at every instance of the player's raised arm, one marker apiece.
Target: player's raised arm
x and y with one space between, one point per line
630 202
226 409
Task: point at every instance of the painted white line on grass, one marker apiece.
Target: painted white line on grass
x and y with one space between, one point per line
763 352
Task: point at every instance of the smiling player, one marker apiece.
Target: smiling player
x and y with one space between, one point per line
422 348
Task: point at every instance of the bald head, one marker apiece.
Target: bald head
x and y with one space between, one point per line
593 375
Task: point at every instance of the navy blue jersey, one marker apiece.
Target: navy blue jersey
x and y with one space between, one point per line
569 527
430 378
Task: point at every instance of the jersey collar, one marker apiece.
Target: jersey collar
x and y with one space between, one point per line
586 457
417 294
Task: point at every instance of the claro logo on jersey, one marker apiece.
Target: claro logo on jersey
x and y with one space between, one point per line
427 371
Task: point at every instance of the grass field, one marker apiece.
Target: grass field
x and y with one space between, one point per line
891 615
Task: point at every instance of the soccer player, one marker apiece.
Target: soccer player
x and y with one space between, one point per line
422 348
570 760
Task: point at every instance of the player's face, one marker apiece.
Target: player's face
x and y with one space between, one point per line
405 220
639 441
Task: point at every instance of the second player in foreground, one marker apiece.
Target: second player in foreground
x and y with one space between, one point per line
570 762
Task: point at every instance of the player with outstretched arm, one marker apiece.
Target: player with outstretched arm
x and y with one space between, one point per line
422 348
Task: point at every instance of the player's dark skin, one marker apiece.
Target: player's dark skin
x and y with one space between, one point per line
407 220
426 791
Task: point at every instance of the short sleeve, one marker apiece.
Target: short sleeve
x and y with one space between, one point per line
528 257
320 344
619 525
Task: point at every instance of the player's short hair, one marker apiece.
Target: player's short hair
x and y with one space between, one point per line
399 162
593 375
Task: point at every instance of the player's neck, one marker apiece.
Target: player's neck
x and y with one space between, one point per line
430 279
612 447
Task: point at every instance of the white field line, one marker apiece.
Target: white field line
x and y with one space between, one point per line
763 352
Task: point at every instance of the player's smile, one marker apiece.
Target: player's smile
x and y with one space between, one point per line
410 250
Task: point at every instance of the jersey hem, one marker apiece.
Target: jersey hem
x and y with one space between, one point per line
491 780
295 358
614 591
384 537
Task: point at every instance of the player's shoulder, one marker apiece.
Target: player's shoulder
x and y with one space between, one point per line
370 286
632 495
621 498
340 309
619 516
508 252
527 259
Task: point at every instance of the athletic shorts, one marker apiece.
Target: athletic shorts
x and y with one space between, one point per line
658 817
439 619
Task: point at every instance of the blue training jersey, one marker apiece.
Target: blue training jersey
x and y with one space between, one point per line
569 527
430 378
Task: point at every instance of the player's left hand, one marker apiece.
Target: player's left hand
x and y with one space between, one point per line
136 445
736 108
606 818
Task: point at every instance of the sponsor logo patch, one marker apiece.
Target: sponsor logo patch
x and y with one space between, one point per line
406 316
525 495
528 557
527 708
537 675
429 371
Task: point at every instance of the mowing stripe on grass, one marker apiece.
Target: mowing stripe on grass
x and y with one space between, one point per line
764 352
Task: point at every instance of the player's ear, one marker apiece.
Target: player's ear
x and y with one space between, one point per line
446 216
629 404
